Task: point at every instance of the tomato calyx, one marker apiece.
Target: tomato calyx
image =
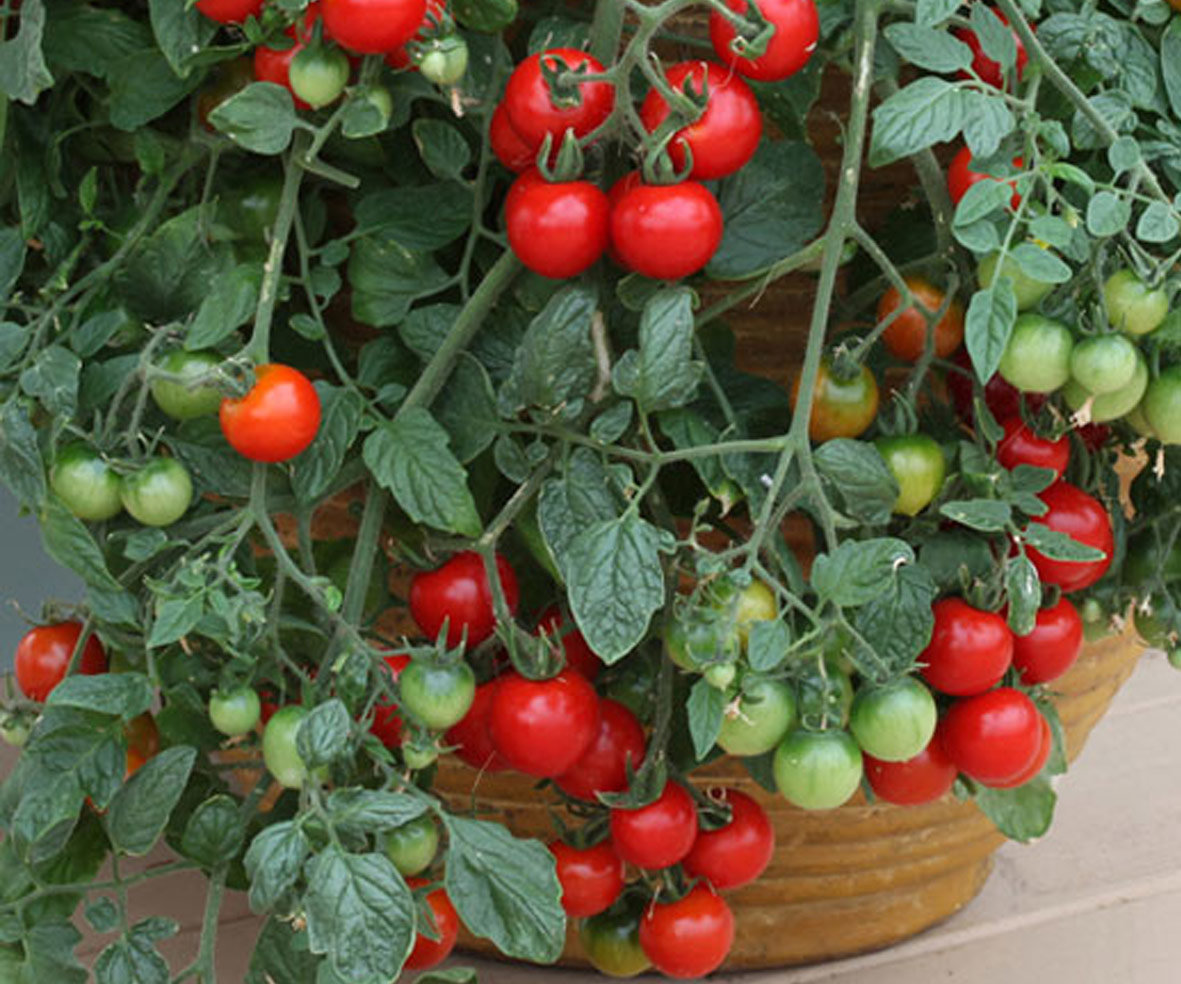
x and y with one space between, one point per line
752 31
564 82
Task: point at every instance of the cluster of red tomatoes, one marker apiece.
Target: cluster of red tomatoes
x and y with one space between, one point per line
660 230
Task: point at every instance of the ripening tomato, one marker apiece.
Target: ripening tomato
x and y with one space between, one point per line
840 407
471 738
1021 446
990 72
437 694
459 594
591 877
659 834
992 737
726 135
665 232
1052 647
274 64
906 338
43 656
690 937
736 854
543 727
529 102
277 419
229 11
922 779
579 656
970 650
557 229
372 27
1035 767
961 177
1083 518
427 952
602 768
611 940
507 145
435 11
797 29
917 464
143 742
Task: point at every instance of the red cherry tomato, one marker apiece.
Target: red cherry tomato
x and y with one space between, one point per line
471 737
507 145
277 419
399 57
992 737
427 952
1021 446
989 71
387 723
906 338
1035 767
531 109
591 878
1083 518
579 656
659 834
557 229
229 11
602 768
1002 399
797 29
970 650
690 937
725 136
372 27
665 231
274 65
43 656
459 593
542 727
922 779
1052 647
961 177
736 854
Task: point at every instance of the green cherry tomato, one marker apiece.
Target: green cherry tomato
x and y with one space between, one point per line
916 462
721 675
318 75
1110 406
1037 358
186 399
825 697
419 757
159 493
251 205
1162 405
817 770
1135 419
756 603
1029 292
279 750
234 712
1131 305
86 484
895 722
1104 363
437 695
611 939
759 720
412 846
444 62
14 730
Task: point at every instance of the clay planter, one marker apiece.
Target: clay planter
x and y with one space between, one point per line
843 881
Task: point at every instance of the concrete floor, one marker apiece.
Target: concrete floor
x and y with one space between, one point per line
1098 901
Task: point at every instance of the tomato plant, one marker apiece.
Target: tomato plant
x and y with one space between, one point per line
659 834
317 75
759 719
916 462
372 27
602 768
577 653
543 727
536 110
279 750
735 854
992 737
191 393
437 695
86 484
591 877
471 739
235 712
429 952
276 420
157 493
923 778
818 770
841 406
1052 647
961 176
689 937
1037 358
1021 446
906 336
458 594
664 231
986 69
1131 305
1084 519
44 654
970 650
895 722
557 229
797 29
413 846
611 940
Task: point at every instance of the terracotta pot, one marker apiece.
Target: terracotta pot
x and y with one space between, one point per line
847 880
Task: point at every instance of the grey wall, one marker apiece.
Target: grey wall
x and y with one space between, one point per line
27 576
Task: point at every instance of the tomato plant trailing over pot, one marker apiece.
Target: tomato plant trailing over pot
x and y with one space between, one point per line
371 363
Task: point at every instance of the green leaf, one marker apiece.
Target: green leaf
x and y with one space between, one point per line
229 303
488 16
992 312
426 327
924 113
274 861
141 808
388 277
213 835
615 583
203 450
181 31
1170 64
144 87
899 621
1123 154
662 374
53 379
706 707
360 915
1107 215
410 457
94 40
986 515
443 149
609 426
102 914
281 956
926 47
12 259
1059 546
260 118
23 73
688 429
70 543
1023 590
987 122
556 360
452 975
49 955
422 217
930 12
124 695
771 207
362 117
467 408
370 811
20 457
768 644
995 36
1022 814
134 959
857 571
46 815
314 471
88 746
570 504
505 889
1041 264
323 735
1157 224
857 476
